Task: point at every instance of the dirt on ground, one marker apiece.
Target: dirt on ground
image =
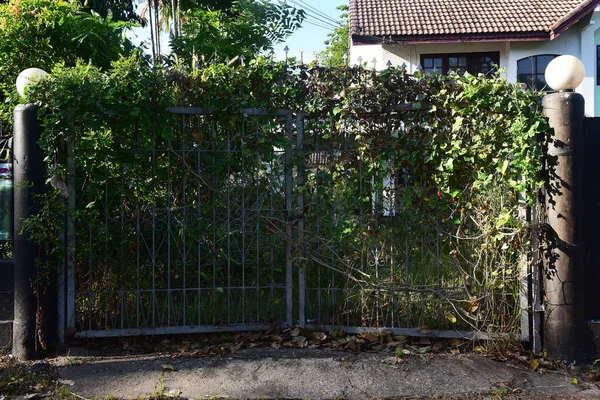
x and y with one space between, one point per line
42 378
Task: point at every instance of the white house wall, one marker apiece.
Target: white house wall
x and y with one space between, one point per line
367 54
578 41
410 54
569 43
588 57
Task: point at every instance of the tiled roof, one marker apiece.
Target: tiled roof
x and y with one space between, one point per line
414 18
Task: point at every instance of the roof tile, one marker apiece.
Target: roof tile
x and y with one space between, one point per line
448 17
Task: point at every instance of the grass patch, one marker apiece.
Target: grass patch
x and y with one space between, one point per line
19 378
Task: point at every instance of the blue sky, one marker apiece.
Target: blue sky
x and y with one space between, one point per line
321 15
319 22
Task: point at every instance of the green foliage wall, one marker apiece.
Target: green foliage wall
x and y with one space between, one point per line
42 33
463 149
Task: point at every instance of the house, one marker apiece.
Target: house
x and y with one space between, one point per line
521 36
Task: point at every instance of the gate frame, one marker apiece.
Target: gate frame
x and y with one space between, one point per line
530 314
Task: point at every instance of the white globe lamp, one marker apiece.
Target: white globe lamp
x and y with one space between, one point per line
28 76
564 73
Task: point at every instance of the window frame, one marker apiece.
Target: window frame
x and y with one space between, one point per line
534 71
598 65
472 60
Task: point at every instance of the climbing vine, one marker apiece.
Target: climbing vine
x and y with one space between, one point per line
414 194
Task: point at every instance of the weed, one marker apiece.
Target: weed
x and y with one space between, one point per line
159 393
17 378
499 391
596 370
63 393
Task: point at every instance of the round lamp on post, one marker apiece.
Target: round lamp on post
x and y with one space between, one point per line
28 76
563 320
564 73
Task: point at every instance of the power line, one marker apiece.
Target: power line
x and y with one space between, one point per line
319 25
318 12
322 21
327 24
318 16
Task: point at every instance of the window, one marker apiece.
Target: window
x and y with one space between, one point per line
474 63
597 65
530 70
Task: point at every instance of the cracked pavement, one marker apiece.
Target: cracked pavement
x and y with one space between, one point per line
309 373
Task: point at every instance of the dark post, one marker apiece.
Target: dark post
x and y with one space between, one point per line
28 181
563 261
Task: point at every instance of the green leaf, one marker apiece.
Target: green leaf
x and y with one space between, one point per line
503 167
457 124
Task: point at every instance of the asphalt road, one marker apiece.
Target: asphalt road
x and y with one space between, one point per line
314 374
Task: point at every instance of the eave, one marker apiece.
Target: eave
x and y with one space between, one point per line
453 38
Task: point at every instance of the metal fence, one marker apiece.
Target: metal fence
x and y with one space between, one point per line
272 218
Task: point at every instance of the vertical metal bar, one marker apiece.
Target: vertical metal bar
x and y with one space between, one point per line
288 226
318 235
153 258
524 214
70 311
301 219
243 157
66 277
137 267
184 222
61 287
199 206
90 277
332 287
228 185
257 226
438 258
169 188
534 286
121 260
214 221
406 252
107 288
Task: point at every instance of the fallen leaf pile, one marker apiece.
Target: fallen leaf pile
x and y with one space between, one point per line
211 345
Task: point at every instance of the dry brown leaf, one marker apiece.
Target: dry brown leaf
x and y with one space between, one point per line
424 329
370 336
271 329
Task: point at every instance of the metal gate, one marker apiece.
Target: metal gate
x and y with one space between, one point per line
270 219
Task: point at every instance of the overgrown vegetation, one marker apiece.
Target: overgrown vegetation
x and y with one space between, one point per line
17 378
404 199
42 33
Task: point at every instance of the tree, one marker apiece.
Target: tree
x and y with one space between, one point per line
121 10
42 33
338 43
246 28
